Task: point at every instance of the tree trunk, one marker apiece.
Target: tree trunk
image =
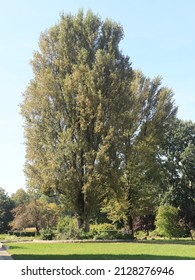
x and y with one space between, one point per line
130 225
83 215
37 230
80 222
83 223
86 225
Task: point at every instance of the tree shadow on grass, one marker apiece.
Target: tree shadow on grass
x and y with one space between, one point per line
98 257
171 241
17 247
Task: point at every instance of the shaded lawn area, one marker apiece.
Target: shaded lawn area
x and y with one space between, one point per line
102 251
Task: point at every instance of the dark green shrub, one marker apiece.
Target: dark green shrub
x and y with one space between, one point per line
109 232
47 234
104 235
103 231
122 236
22 233
86 235
103 227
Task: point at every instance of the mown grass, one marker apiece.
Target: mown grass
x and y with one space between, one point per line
3 237
103 251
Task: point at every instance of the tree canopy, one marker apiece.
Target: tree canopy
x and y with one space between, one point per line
93 125
6 205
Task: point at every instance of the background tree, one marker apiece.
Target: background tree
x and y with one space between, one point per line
177 158
6 205
73 109
20 219
20 197
37 213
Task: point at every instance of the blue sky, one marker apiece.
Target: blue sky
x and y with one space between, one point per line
159 39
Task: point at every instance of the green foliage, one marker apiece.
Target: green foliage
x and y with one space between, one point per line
108 232
81 86
93 126
87 235
36 212
103 227
139 183
20 197
47 233
167 223
177 158
103 231
21 233
6 206
67 228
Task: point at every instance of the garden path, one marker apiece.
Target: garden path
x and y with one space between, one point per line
4 254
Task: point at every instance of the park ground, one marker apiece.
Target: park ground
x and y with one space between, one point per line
136 250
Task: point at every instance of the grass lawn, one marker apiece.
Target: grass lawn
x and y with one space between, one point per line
103 251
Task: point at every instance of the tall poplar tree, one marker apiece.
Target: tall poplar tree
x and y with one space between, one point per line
74 108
